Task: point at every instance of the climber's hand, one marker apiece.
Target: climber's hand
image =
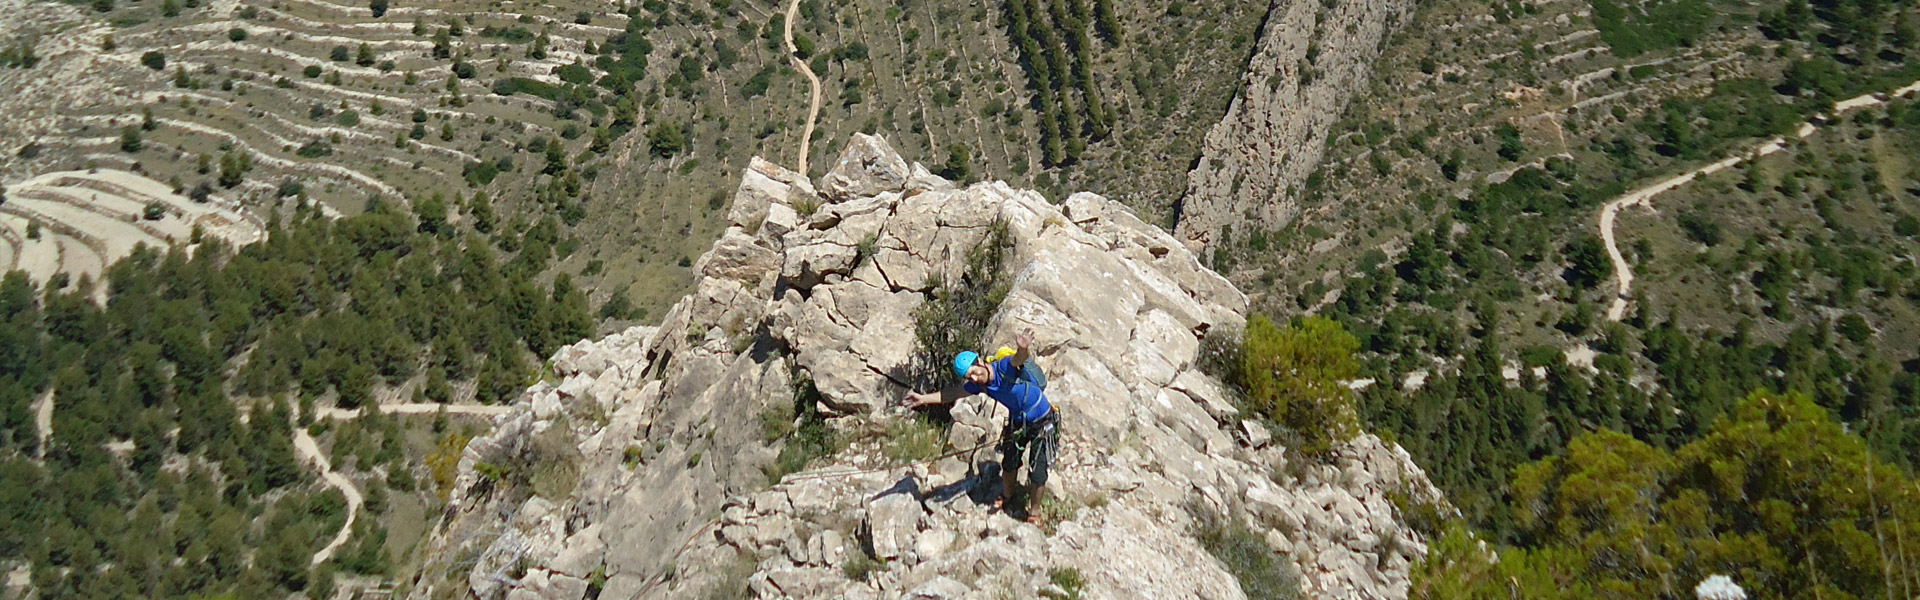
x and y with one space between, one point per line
1024 339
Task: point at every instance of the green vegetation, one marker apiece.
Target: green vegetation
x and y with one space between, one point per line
1261 571
914 439
859 567
1633 29
1296 377
21 56
1471 426
1777 496
807 434
322 309
1056 53
130 139
957 312
1069 580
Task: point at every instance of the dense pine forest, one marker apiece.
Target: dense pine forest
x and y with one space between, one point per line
172 472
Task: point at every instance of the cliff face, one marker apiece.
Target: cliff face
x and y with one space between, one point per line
642 467
1311 58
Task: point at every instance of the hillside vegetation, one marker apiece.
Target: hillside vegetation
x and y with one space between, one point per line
626 122
148 443
1773 298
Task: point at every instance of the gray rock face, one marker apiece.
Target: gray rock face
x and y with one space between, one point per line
672 498
1255 161
868 168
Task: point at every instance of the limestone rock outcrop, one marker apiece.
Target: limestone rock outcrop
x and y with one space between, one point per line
1310 59
641 472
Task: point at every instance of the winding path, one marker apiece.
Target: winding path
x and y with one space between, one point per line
43 422
309 452
1623 273
813 85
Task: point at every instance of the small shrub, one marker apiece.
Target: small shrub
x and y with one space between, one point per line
811 437
1069 579
1422 516
315 149
952 319
1295 376
806 206
1219 356
864 249
237 34
666 139
1539 356
1907 225
1054 510
859 567
553 464
913 440
443 461
1262 572
154 60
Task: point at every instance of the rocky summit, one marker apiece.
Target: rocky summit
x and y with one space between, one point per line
639 467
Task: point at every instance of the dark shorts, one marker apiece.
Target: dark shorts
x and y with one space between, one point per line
1032 442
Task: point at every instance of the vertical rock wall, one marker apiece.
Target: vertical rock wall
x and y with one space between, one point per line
1311 58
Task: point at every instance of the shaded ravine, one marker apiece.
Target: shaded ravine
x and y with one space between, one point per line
813 86
1623 273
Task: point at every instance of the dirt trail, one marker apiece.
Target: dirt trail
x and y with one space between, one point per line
309 451
1623 273
43 422
813 85
485 410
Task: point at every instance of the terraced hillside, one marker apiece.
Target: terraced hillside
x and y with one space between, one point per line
78 222
619 121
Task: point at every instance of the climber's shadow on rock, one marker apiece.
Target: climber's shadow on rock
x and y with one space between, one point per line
981 487
908 484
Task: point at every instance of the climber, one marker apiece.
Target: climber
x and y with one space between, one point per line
1033 427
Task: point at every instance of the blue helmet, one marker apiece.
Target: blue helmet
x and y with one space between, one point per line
964 361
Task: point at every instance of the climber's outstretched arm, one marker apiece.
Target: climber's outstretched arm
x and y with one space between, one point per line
944 396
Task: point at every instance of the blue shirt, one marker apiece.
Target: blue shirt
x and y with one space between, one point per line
1025 402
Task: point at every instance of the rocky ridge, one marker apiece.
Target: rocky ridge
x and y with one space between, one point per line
643 464
1311 58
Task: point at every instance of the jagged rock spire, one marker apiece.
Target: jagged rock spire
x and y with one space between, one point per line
663 426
